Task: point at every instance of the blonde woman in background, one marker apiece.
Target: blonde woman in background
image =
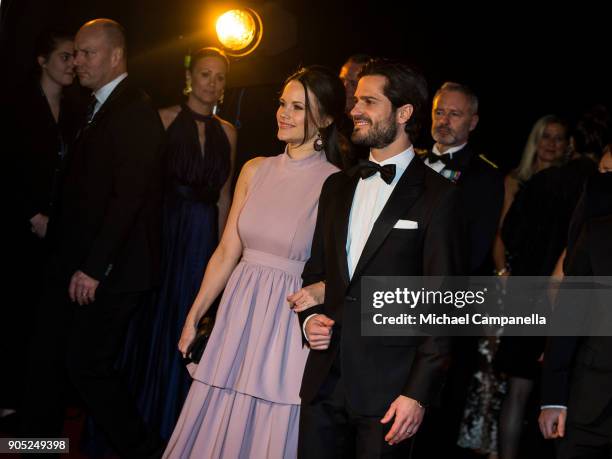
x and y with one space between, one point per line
547 145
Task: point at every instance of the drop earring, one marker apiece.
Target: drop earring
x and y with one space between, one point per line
218 104
318 143
187 88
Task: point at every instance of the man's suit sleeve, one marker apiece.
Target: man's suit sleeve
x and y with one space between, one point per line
136 135
561 350
445 253
314 269
558 358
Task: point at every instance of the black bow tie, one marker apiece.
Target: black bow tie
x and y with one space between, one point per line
433 158
368 168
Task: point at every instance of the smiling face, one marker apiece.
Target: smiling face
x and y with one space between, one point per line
374 117
553 144
59 65
452 119
207 78
291 114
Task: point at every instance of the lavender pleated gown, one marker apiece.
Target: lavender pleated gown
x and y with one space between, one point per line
244 402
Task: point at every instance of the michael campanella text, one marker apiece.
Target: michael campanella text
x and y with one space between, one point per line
465 319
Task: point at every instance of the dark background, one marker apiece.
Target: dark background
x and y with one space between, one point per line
522 62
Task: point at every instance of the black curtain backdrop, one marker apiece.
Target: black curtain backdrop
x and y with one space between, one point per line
522 63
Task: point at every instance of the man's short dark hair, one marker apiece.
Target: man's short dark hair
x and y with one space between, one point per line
403 86
463 89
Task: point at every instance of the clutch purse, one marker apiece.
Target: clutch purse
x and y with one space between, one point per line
196 348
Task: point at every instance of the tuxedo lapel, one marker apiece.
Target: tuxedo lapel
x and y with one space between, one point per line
405 194
341 223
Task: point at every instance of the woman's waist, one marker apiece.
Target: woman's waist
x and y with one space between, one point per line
270 260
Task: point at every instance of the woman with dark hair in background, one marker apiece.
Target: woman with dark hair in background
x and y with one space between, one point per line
244 400
199 155
40 124
45 126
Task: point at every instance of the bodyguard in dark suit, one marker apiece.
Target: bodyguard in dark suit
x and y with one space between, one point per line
391 216
105 250
577 373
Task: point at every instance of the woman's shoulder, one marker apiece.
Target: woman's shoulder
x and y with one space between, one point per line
229 129
169 114
512 180
250 168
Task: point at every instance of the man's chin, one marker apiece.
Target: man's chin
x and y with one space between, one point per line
84 82
358 136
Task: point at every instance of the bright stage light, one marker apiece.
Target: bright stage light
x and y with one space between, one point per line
239 31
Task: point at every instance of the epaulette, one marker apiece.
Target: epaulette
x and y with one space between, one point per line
420 152
488 161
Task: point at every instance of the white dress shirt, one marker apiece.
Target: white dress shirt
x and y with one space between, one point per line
105 91
371 195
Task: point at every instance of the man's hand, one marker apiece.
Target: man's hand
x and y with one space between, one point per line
552 422
307 297
319 332
82 288
39 225
408 417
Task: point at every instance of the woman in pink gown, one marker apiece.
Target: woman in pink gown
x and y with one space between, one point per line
244 402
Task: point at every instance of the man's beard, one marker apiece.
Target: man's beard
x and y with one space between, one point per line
444 135
379 134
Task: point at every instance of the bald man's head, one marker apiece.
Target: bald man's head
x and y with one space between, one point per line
100 52
115 33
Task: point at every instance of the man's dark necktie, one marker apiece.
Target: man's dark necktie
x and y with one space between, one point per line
368 168
91 108
433 158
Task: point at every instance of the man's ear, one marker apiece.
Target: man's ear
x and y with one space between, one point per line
41 61
116 56
474 122
404 113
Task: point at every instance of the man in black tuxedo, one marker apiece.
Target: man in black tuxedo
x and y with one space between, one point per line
454 116
577 373
106 244
391 216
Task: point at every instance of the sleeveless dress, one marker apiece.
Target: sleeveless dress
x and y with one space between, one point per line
154 367
244 401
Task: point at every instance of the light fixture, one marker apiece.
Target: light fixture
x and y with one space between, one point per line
239 31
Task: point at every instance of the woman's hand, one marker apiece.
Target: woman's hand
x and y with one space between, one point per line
187 336
307 297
